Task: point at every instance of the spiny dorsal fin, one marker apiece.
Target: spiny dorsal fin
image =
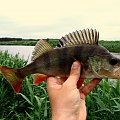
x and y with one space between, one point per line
41 47
88 36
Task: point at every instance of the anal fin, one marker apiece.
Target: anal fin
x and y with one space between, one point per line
38 78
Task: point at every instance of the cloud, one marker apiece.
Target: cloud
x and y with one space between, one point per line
38 18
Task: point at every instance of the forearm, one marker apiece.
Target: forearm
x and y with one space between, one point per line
65 115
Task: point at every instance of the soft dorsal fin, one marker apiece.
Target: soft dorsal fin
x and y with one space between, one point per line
88 36
41 47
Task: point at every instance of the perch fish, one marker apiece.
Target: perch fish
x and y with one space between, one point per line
82 45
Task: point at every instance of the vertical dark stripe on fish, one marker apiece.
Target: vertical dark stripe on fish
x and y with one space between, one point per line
62 57
78 52
95 50
81 54
92 50
46 59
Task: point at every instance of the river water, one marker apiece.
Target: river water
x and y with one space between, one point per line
25 52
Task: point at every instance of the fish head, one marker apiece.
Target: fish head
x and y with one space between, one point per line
105 66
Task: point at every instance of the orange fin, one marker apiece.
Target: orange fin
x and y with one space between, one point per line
90 86
39 78
12 77
80 82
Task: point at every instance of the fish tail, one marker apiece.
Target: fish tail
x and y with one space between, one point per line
13 77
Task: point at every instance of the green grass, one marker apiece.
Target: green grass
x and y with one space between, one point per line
28 43
112 46
104 102
33 103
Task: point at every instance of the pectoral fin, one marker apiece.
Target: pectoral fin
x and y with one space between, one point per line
90 86
80 82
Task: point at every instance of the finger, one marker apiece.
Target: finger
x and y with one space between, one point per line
74 74
90 86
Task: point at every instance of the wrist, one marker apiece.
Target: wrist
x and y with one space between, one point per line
64 116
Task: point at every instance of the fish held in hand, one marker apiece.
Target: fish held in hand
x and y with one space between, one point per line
96 61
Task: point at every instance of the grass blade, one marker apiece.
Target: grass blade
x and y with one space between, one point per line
26 98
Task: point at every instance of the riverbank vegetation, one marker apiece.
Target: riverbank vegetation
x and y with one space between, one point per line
112 46
33 103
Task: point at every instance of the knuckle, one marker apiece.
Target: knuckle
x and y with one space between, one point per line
75 72
74 76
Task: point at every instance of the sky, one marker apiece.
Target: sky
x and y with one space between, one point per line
39 19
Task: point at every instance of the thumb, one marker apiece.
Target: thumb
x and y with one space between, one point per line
74 74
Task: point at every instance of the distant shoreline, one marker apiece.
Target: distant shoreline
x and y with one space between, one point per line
112 46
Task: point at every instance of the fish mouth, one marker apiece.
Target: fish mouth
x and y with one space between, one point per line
115 74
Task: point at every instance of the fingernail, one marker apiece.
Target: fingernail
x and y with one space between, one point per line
75 65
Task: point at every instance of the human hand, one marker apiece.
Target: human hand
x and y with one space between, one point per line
68 102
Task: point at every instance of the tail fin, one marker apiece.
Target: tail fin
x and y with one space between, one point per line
12 77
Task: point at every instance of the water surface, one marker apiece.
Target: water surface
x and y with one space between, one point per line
25 52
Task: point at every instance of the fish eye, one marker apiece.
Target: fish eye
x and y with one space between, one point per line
113 61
